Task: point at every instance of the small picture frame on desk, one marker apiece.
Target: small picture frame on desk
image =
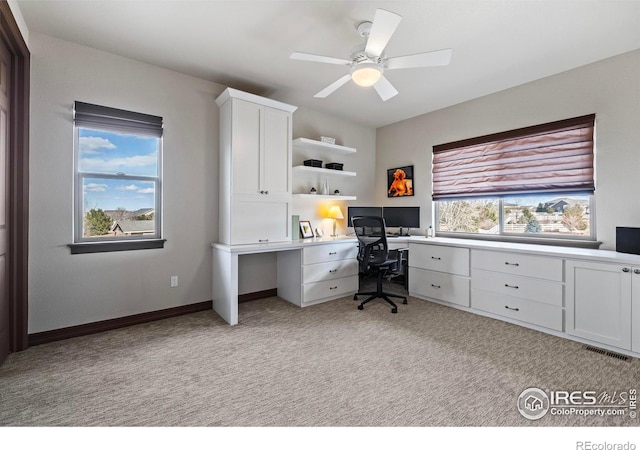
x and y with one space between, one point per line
306 231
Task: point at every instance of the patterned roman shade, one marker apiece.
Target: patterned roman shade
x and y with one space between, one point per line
552 158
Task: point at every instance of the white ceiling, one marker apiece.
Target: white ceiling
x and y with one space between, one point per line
246 44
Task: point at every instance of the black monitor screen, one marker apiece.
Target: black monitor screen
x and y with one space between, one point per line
402 216
358 211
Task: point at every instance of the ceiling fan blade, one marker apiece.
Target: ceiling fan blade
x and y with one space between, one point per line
319 58
332 87
437 58
384 25
385 89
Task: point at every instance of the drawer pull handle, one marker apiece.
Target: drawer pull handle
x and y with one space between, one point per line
435 286
263 240
333 253
333 270
436 257
334 287
512 287
512 309
511 264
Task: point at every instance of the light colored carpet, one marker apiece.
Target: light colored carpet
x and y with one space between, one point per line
325 365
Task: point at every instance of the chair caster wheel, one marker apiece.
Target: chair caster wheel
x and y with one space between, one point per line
405 302
394 310
355 297
360 307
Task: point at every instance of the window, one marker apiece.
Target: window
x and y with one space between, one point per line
533 183
117 185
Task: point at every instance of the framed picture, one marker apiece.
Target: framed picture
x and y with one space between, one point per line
400 182
306 231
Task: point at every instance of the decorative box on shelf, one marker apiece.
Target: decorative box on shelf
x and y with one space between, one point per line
327 140
334 166
313 163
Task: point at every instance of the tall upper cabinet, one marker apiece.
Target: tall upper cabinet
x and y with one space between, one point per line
255 168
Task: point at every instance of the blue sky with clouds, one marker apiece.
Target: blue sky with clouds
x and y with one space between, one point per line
105 152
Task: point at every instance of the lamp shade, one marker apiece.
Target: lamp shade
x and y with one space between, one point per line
366 74
335 213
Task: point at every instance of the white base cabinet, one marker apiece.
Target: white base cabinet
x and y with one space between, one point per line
522 287
599 302
439 272
327 272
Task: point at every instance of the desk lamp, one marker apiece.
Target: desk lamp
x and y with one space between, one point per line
334 213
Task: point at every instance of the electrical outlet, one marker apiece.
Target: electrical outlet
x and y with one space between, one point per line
174 281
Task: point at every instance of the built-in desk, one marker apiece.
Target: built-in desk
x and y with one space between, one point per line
309 271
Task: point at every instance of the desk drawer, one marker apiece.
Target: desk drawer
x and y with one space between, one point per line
518 264
440 258
329 252
536 313
442 286
327 289
329 270
514 285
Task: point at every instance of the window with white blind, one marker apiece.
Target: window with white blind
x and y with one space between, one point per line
531 183
117 182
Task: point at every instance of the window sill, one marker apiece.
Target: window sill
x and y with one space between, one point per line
119 246
575 243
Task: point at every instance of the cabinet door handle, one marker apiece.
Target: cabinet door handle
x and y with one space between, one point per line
512 309
511 264
436 257
435 286
263 240
333 270
625 269
636 270
512 287
266 192
262 192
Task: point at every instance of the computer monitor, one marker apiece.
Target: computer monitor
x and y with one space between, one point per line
358 211
401 216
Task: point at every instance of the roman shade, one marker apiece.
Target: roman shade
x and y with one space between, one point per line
91 116
551 158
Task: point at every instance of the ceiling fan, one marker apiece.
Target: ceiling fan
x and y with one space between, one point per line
368 62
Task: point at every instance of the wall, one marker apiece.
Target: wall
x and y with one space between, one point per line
608 88
65 289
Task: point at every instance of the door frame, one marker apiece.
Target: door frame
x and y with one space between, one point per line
18 180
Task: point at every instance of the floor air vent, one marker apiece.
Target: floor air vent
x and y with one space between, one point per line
606 353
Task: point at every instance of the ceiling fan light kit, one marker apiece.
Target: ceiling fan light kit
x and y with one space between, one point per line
366 74
368 63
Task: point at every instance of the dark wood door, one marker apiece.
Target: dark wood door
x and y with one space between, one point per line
5 310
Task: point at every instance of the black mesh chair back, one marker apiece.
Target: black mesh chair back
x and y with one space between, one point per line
372 240
373 256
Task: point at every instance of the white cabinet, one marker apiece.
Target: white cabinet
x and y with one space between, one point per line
439 272
307 176
517 286
329 272
599 302
255 168
319 273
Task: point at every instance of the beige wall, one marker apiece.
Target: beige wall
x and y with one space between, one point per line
609 88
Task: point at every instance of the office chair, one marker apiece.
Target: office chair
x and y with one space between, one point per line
373 255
